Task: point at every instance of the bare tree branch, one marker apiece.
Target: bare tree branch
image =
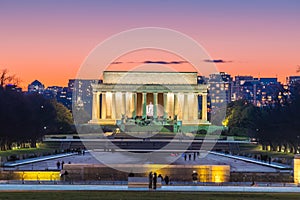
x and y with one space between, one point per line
5 78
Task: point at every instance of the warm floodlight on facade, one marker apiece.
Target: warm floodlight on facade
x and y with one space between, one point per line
297 169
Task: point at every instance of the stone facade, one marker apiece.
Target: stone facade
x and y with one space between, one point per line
127 94
206 173
161 78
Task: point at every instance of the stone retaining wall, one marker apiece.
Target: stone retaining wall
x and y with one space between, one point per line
206 173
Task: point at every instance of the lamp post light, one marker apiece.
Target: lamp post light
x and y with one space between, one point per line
297 150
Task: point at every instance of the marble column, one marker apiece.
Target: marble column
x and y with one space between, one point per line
118 105
96 106
195 111
144 105
191 108
155 100
176 106
128 104
165 105
103 107
185 107
113 105
171 105
204 106
180 105
123 104
134 105
108 104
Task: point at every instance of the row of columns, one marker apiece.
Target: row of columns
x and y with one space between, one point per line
184 105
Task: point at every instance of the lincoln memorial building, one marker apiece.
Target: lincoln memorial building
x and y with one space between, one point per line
149 95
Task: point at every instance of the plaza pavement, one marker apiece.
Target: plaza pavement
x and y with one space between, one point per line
236 164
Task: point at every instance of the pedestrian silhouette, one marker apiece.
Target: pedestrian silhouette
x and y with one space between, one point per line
167 180
154 180
194 176
150 180
131 174
58 165
161 178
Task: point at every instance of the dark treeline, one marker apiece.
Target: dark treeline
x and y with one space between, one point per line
276 127
280 128
25 118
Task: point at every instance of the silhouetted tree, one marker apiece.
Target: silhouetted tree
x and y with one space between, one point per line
28 117
5 79
42 116
63 120
242 118
279 127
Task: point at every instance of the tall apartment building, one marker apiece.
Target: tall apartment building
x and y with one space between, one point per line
219 86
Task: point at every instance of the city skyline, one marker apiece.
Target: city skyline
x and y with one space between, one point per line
69 79
221 88
49 40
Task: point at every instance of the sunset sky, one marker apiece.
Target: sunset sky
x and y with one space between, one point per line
48 40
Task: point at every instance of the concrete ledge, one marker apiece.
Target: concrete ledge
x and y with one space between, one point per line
141 182
120 172
274 165
222 189
37 159
195 122
103 122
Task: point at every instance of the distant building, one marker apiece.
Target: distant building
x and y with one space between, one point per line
260 92
268 81
202 80
71 84
81 92
12 87
64 96
246 88
272 91
219 87
77 90
36 87
237 87
292 82
251 91
52 91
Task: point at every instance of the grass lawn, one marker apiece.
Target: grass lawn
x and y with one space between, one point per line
256 149
74 195
25 151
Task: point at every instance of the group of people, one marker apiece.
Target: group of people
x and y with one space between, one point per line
60 165
153 180
189 156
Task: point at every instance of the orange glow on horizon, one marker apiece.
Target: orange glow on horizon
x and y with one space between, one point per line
49 41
